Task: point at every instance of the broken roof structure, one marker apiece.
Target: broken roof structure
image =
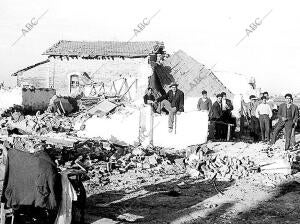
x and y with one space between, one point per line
30 67
95 49
192 76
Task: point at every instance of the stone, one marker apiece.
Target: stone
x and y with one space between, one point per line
138 152
129 217
179 162
152 159
194 173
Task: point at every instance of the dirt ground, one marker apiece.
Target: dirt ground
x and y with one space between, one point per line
170 195
182 200
177 198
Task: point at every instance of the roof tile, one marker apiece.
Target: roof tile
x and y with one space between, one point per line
104 48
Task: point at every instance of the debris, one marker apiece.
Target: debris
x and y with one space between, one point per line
206 164
103 108
281 166
129 217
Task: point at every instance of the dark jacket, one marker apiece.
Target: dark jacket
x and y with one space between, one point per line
176 100
31 179
282 112
229 104
216 111
148 97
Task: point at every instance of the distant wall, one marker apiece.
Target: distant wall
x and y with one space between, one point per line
37 99
31 100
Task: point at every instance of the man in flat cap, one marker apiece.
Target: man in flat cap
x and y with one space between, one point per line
288 117
173 102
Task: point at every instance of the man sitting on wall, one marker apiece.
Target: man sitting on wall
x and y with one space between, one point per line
173 102
149 99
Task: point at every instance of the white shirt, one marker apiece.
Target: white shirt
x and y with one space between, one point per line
263 109
224 104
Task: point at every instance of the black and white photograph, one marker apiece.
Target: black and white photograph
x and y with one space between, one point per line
149 112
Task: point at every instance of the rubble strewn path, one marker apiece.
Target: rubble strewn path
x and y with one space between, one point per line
152 196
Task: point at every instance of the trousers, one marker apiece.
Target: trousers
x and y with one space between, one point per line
264 122
288 127
172 111
254 128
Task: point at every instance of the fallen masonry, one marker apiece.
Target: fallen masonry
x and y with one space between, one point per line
109 166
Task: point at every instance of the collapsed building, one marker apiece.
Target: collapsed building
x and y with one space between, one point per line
110 70
99 138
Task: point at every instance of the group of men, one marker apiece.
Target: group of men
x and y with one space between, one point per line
173 103
260 113
219 114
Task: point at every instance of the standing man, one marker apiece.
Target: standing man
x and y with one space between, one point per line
272 105
227 107
215 117
270 101
204 103
173 102
254 122
288 117
264 113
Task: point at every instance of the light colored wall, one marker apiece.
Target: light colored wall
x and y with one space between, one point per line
100 70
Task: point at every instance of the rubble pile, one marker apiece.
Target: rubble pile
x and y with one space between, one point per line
130 160
202 162
103 161
38 124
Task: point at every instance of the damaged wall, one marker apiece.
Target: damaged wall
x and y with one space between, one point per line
58 72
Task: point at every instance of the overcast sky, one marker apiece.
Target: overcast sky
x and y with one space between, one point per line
206 30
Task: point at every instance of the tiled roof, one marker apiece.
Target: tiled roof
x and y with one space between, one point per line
104 48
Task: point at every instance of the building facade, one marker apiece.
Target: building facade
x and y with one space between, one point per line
112 67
